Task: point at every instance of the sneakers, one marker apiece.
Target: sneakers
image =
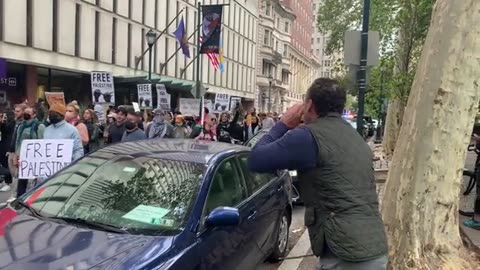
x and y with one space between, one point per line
5 188
472 224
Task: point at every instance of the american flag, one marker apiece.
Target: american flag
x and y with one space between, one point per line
212 57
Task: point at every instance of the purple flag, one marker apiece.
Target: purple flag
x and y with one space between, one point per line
181 36
3 68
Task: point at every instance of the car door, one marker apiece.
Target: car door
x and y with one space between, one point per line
230 247
267 194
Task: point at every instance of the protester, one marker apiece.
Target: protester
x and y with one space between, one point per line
267 120
198 127
72 116
180 129
252 128
116 129
110 121
30 129
226 128
59 129
336 179
7 128
169 118
159 128
132 131
90 120
207 133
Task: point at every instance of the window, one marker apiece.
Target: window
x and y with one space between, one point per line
287 27
285 74
285 50
318 51
268 8
327 63
255 181
266 37
267 68
276 45
278 22
318 40
227 187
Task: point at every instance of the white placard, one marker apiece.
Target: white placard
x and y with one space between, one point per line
191 106
222 102
145 95
103 89
136 107
234 101
43 158
163 98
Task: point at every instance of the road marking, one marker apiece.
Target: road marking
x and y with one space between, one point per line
301 248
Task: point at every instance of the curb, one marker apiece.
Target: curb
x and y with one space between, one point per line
300 249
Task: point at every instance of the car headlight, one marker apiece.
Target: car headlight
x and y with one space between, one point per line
293 173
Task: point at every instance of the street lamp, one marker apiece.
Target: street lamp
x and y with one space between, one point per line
151 39
270 81
381 118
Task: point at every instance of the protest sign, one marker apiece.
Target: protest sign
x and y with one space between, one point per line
144 95
136 107
163 98
234 101
103 90
191 106
221 103
55 98
43 158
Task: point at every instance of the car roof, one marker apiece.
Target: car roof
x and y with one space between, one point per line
187 150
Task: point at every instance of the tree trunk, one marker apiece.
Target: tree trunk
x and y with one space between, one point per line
420 204
393 124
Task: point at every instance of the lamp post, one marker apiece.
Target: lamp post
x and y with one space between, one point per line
270 81
382 108
151 38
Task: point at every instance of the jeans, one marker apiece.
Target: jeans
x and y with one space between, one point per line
331 262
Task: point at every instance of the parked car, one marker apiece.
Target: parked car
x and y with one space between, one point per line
295 186
157 204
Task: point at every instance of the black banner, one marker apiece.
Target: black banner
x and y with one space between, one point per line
211 28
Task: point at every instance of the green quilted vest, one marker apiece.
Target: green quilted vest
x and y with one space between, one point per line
340 195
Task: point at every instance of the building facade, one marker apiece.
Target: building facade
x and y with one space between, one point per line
52 45
328 62
273 61
303 62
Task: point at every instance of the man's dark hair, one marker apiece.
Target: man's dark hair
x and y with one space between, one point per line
122 110
327 96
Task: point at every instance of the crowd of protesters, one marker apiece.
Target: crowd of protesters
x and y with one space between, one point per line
122 124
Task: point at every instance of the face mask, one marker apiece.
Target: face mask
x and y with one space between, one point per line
27 117
54 118
130 125
179 124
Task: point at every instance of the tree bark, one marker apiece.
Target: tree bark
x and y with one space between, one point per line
393 124
420 204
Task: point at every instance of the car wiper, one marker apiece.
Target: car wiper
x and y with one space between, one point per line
31 209
92 224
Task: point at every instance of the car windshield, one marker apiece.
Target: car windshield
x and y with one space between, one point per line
141 195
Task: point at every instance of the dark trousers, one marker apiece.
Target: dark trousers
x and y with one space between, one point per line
5 175
22 187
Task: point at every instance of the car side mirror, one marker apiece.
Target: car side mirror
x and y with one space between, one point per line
223 216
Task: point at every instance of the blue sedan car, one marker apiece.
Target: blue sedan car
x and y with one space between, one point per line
158 204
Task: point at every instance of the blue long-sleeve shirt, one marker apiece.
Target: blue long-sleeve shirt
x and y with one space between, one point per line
63 130
283 149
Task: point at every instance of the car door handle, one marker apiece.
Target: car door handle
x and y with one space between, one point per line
279 189
252 214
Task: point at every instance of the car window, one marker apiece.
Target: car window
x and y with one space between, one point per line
256 138
143 194
254 181
227 187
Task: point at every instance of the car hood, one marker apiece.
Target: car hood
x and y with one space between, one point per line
30 243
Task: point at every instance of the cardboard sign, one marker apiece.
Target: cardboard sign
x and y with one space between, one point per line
234 101
43 158
145 95
222 102
163 98
103 89
55 98
191 106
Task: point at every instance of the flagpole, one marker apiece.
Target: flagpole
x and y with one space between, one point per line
139 58
199 57
175 53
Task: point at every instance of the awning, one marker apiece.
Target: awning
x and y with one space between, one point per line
169 82
268 61
286 70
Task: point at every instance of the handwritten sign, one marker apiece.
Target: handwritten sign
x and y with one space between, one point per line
43 158
163 98
55 98
145 95
147 214
103 90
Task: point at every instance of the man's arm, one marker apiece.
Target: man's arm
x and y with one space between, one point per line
278 150
77 146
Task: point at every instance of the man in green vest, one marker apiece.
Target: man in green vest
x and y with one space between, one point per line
336 178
